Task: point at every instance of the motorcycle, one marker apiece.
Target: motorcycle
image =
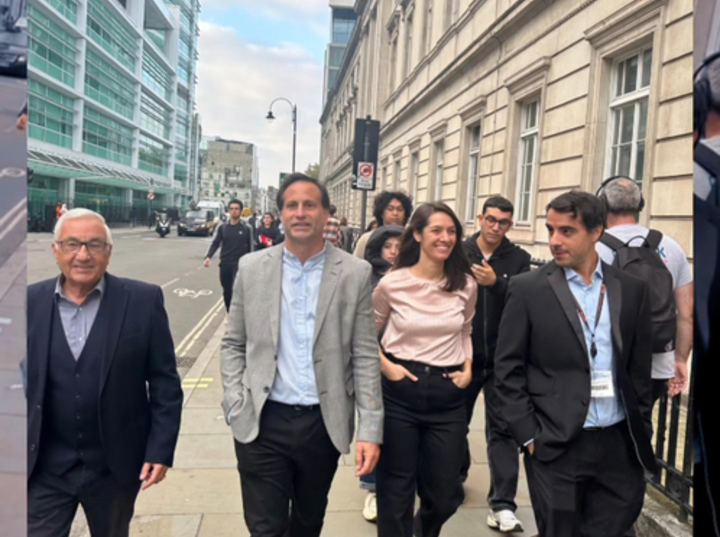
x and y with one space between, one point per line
163 227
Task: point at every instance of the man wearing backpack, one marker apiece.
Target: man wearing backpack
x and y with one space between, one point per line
643 252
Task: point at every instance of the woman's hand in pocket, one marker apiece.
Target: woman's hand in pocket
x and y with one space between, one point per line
396 372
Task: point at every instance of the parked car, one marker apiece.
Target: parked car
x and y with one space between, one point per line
13 49
197 223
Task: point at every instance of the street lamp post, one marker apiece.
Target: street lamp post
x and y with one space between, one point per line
271 117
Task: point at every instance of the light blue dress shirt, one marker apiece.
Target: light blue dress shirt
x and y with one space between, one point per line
295 378
604 411
78 320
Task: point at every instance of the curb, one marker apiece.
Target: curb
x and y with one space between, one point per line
200 365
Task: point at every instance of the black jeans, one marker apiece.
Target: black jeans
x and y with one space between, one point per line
423 443
292 461
53 501
227 279
594 489
502 450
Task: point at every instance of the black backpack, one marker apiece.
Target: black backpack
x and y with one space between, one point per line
645 263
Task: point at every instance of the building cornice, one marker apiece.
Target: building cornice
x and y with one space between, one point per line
630 16
528 75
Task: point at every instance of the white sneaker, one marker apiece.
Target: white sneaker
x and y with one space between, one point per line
370 509
504 520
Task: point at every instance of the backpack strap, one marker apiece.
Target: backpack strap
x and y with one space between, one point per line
653 239
708 159
611 241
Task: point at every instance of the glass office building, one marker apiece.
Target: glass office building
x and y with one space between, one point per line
342 25
111 88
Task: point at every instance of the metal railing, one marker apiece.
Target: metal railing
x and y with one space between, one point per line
672 443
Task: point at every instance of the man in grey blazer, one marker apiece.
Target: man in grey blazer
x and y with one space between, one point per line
297 365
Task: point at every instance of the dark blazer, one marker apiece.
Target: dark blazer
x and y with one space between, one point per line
542 365
140 392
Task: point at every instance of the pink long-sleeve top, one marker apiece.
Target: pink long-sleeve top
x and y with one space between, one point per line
422 321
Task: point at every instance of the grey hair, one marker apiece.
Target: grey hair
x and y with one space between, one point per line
623 196
81 213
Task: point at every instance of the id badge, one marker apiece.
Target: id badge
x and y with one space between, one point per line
602 385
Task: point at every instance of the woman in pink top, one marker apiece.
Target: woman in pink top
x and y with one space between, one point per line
424 309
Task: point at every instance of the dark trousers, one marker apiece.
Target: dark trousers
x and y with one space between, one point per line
502 449
594 489
53 501
227 279
292 461
423 443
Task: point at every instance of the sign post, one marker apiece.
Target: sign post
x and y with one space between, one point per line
365 156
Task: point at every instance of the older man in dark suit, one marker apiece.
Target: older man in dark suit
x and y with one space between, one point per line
573 376
104 395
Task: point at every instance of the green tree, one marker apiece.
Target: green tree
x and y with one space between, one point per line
313 170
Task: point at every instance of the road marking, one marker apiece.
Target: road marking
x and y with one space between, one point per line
197 326
7 228
189 293
163 286
218 309
186 379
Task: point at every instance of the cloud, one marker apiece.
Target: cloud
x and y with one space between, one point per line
238 80
271 6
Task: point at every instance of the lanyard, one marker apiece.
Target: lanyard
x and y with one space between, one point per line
593 347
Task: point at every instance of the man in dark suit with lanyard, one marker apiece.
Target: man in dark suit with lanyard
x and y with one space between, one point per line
104 395
573 377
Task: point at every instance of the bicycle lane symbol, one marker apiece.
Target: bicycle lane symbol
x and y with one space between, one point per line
189 293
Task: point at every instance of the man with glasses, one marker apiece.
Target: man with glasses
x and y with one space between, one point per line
389 209
104 395
495 259
236 239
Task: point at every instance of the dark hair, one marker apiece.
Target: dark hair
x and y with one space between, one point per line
370 225
591 209
498 202
332 210
343 221
297 177
271 215
457 265
384 198
236 202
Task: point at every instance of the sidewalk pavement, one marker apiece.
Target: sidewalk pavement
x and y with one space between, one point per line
201 495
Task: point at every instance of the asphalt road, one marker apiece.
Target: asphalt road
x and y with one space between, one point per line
193 296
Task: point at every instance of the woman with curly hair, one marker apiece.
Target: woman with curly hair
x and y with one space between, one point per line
389 209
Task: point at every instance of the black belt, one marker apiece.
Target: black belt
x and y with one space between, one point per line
603 428
304 408
420 367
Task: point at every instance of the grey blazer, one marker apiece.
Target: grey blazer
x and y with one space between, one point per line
345 354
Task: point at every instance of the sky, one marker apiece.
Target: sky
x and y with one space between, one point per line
251 52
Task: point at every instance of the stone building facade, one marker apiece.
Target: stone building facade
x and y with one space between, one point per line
527 99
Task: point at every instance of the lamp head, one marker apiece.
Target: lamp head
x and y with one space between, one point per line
270 117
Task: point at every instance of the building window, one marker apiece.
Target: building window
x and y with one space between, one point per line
408 44
528 152
52 49
628 114
438 175
414 175
472 173
342 30
427 32
106 138
109 86
396 175
50 115
107 31
393 62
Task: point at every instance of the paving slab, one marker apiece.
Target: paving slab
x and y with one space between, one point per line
205 451
204 421
175 525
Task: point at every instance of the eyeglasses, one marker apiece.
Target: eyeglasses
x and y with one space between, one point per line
491 221
94 247
395 209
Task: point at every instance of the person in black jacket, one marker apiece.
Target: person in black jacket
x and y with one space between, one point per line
236 239
495 260
268 233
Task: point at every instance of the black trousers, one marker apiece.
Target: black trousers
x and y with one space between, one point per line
502 450
53 501
423 443
227 279
291 462
594 489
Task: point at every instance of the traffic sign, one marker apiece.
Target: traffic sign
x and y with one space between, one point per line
366 171
151 196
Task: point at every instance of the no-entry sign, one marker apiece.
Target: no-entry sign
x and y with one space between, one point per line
151 196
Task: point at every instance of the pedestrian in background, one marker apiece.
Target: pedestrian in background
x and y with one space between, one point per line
332 232
389 209
424 309
298 360
494 261
133 216
347 233
268 233
236 239
572 372
104 395
381 252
